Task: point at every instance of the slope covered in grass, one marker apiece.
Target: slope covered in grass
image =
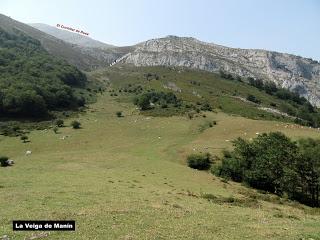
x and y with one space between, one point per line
126 178
197 88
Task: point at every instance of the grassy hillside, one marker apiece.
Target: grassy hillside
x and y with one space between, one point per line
126 178
196 88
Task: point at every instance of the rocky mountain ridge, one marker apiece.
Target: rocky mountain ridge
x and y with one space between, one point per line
295 73
289 71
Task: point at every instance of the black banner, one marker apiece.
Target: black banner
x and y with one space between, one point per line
44 225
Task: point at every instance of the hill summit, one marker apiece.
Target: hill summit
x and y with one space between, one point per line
298 74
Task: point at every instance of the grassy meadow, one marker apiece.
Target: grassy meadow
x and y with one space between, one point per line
126 178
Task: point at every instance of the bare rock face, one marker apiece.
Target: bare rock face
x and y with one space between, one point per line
293 72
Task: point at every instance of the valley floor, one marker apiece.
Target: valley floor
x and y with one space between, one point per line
126 178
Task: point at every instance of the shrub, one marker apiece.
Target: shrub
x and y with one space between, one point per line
252 98
199 161
161 99
119 114
24 138
3 161
75 124
206 107
59 122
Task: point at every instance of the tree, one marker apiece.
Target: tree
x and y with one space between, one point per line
272 162
271 157
264 163
309 171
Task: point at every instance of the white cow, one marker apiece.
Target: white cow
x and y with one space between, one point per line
28 152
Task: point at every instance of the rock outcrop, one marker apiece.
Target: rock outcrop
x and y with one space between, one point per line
289 71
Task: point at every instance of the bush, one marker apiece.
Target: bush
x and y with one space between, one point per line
59 122
24 138
206 107
119 114
3 161
252 98
199 161
75 124
161 99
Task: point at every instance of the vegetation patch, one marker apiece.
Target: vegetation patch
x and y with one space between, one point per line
200 161
4 161
298 107
274 163
32 82
156 99
75 124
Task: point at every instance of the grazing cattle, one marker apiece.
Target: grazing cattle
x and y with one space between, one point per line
28 152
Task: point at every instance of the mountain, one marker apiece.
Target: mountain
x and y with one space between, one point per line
70 37
298 74
53 45
102 54
86 56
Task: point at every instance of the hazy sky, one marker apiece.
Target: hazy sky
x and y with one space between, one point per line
291 26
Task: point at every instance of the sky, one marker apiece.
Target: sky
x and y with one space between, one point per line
291 26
